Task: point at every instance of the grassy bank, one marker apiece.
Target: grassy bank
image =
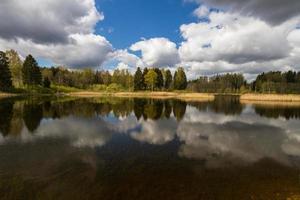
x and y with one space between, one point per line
158 95
270 97
56 90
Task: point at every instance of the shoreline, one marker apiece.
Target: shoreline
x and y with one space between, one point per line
154 95
249 98
270 98
7 95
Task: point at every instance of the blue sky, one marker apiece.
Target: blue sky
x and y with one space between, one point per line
131 20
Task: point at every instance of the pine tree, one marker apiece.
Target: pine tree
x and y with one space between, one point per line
46 82
98 78
144 74
5 75
37 76
15 67
180 80
31 72
138 80
160 78
168 79
175 84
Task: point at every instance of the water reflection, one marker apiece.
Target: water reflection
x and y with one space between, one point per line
6 110
115 148
287 112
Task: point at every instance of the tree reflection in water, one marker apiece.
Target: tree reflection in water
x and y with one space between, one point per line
34 110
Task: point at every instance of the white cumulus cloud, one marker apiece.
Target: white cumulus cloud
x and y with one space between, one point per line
61 31
157 52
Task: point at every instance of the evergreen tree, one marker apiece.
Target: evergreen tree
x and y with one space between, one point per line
180 80
46 82
5 75
168 79
15 66
37 75
175 77
290 76
98 78
116 76
144 74
138 80
106 78
31 72
160 79
151 79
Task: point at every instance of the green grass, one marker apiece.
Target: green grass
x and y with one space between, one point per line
64 89
32 90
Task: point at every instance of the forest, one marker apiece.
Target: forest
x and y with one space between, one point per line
17 75
274 82
14 73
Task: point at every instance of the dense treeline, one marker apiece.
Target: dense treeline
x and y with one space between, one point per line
159 79
270 82
15 73
18 74
277 82
227 83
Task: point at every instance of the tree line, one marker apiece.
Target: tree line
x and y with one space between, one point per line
277 82
270 82
158 79
14 73
227 83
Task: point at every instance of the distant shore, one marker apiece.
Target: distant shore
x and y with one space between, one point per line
188 96
156 95
270 97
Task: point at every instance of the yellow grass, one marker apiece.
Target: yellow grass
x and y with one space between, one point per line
270 97
4 95
156 95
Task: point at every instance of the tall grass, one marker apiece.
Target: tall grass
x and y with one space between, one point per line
271 97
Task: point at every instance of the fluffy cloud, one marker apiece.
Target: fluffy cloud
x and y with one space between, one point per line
83 51
157 52
230 42
124 60
234 39
46 21
61 31
202 11
272 11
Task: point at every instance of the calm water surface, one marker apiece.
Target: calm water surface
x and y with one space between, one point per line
117 148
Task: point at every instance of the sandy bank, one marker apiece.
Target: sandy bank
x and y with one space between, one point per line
155 95
269 98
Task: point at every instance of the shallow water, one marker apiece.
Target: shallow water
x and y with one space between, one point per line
116 148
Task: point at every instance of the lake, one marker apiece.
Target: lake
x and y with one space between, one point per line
119 148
